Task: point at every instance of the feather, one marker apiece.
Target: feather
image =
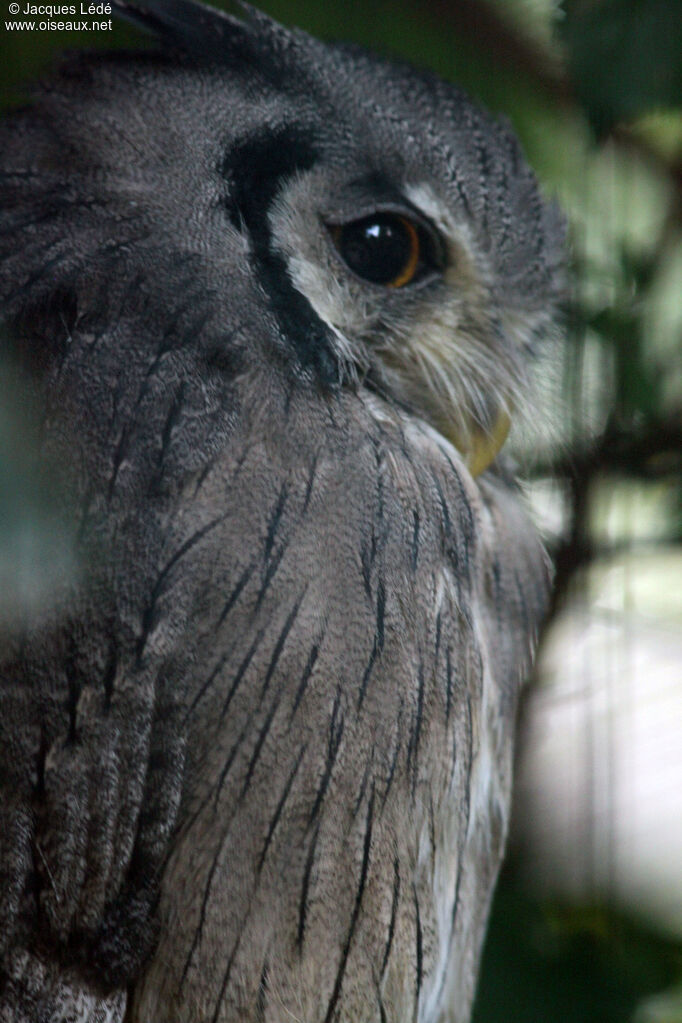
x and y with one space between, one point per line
207 34
185 23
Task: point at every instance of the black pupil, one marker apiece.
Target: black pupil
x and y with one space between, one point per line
377 248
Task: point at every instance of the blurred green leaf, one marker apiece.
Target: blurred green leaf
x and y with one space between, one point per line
567 964
662 1008
625 56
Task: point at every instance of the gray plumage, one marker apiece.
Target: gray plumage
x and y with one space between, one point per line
255 760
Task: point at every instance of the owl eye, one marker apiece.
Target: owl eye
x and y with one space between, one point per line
386 248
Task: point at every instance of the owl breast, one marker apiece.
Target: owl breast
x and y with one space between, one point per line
348 765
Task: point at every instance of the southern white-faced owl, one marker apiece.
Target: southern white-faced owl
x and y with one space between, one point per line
276 300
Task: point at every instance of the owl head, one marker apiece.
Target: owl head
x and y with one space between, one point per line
346 221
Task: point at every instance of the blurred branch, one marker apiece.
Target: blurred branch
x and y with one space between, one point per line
650 451
481 24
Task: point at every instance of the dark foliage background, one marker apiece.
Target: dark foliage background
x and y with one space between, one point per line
594 89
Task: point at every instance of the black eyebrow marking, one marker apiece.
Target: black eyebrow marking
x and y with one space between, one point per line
255 171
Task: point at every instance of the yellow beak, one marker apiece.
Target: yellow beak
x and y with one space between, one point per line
482 446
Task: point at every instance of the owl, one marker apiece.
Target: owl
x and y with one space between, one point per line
277 303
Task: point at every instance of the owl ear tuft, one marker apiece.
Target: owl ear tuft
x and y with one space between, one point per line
208 34
186 24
